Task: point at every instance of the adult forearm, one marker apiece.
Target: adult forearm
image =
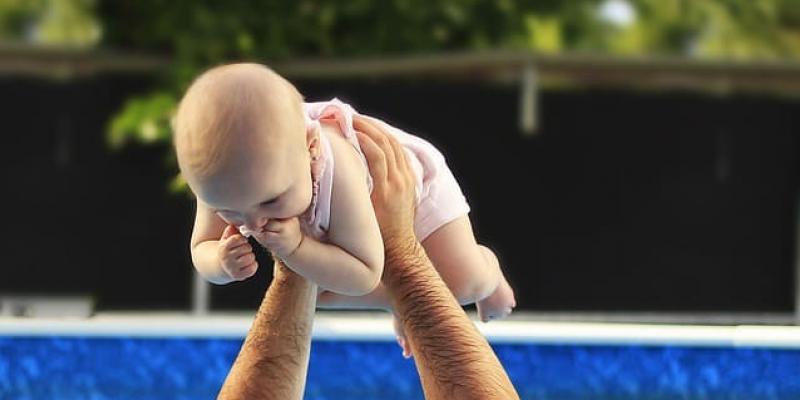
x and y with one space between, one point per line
273 361
454 360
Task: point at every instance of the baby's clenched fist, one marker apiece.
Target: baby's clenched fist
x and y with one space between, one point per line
281 236
236 254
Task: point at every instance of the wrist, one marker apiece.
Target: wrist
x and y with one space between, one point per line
216 275
282 273
403 254
291 253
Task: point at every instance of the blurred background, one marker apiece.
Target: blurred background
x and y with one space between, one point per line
621 156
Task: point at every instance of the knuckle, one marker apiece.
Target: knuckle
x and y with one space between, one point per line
227 268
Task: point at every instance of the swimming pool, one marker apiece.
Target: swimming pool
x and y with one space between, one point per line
354 357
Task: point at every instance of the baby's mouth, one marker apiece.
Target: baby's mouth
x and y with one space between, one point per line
247 232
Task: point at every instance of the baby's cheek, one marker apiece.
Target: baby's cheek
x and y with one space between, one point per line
302 205
306 198
289 211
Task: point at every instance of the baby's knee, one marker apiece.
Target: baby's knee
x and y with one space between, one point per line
491 259
473 288
471 275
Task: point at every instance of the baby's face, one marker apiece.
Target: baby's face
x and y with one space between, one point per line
265 176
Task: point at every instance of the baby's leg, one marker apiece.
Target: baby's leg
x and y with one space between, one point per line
470 270
378 299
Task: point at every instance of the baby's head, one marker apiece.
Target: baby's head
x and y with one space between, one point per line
243 145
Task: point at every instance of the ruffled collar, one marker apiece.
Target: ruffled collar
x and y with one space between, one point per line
308 217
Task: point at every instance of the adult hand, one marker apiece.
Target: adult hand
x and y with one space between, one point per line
453 359
393 191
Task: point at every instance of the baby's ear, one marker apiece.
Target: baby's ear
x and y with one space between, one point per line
312 139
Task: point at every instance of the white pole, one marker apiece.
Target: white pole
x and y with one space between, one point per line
201 295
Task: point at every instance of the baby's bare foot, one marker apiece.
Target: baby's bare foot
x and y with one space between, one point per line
499 304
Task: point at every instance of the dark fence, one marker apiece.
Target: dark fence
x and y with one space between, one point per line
645 201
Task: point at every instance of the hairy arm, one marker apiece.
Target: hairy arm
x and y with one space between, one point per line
453 359
273 361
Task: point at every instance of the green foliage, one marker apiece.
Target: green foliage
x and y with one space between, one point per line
68 22
197 34
144 120
719 29
50 22
16 17
203 33
207 32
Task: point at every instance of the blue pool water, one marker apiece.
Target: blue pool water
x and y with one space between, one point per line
119 368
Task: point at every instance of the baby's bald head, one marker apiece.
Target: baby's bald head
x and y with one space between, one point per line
231 109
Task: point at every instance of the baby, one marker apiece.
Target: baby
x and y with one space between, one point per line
263 163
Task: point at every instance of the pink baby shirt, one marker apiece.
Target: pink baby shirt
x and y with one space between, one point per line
439 197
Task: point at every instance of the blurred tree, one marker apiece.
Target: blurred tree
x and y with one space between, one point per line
719 29
17 17
196 34
68 22
50 22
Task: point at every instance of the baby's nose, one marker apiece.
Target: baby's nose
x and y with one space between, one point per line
256 223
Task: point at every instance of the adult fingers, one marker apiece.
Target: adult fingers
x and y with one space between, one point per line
400 157
375 156
395 154
380 136
361 123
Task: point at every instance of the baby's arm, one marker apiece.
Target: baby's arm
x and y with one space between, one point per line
352 263
219 253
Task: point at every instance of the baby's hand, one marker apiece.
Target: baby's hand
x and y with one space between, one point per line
281 236
236 255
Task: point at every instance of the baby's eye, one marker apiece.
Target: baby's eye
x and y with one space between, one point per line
270 202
